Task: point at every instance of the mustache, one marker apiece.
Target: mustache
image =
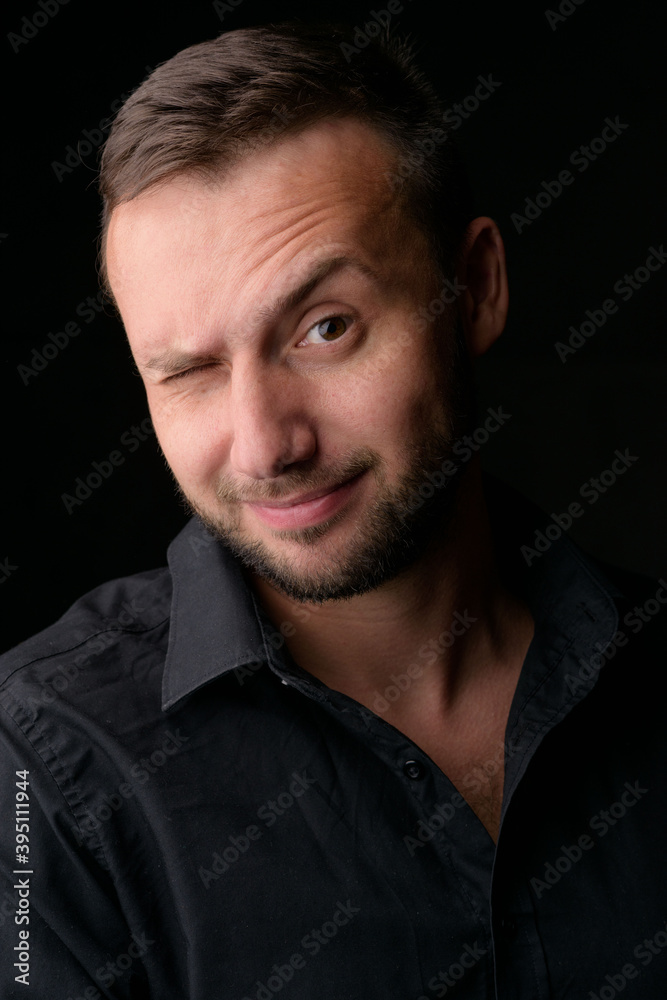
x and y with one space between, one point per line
298 480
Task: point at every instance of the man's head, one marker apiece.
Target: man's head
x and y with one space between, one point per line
217 101
272 306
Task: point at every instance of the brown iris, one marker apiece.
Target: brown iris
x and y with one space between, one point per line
329 329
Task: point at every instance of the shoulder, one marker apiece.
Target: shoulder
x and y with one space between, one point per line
641 600
71 694
99 638
631 664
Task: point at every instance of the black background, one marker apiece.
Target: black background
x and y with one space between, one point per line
557 88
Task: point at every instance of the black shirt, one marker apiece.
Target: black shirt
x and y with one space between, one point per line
188 814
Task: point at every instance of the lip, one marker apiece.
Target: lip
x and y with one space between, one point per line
308 509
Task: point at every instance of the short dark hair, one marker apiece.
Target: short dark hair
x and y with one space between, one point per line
215 101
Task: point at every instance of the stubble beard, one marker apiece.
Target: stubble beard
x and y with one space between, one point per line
393 532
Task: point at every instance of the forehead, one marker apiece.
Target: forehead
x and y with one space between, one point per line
192 261
337 170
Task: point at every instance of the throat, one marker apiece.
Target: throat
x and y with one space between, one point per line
473 760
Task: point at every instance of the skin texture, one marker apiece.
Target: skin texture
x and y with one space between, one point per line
283 398
288 417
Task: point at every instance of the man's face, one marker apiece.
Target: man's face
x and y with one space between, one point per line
296 393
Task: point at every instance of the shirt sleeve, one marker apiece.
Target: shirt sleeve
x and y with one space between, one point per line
62 933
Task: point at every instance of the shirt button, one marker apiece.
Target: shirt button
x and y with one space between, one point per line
508 926
414 769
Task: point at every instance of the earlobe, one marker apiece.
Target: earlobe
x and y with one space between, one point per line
482 270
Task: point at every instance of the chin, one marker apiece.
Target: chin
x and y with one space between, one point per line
345 556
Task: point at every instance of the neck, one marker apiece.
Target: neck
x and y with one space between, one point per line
434 632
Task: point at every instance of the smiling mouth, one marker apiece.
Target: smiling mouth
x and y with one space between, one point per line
307 509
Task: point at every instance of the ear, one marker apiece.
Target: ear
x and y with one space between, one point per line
482 270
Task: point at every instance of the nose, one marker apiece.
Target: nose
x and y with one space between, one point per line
270 428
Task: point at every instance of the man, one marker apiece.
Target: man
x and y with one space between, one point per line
349 744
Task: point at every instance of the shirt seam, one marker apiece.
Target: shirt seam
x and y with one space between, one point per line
25 727
78 645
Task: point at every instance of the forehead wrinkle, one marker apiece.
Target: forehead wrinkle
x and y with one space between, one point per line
341 187
174 358
209 312
321 211
310 216
326 191
280 240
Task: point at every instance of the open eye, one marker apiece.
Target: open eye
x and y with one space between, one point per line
326 330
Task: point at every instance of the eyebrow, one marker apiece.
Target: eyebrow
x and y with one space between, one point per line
171 361
322 270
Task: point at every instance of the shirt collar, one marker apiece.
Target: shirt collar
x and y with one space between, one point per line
216 624
576 615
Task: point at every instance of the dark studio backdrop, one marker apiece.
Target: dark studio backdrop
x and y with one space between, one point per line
555 75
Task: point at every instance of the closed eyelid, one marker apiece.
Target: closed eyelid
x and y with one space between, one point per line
187 371
177 366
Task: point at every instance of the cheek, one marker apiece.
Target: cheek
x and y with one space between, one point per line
398 395
192 439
